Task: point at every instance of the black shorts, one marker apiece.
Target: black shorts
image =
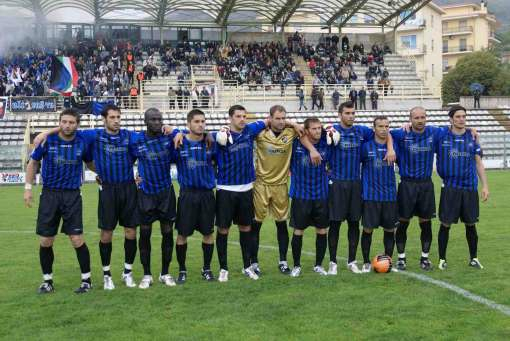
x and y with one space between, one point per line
345 201
56 204
416 198
117 204
304 213
159 206
458 203
380 213
236 207
195 211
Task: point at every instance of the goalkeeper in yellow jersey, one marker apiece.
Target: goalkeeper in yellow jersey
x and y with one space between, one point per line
270 191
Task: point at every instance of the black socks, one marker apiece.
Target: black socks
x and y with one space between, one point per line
333 233
282 234
297 244
221 247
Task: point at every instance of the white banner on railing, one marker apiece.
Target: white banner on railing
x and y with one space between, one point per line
3 107
12 177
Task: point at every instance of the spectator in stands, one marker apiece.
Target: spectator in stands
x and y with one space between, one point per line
476 97
336 98
195 94
345 44
385 73
133 94
140 77
186 98
334 41
362 94
312 65
204 96
179 96
171 98
321 99
301 96
374 97
353 97
370 84
315 97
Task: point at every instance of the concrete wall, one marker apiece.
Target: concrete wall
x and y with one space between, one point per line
486 102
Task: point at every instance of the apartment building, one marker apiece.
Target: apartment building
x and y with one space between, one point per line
466 28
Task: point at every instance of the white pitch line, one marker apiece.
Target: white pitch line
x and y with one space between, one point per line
426 279
442 284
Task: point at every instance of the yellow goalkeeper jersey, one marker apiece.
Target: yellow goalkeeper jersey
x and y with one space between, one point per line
273 154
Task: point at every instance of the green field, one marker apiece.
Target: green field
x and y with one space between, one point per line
347 306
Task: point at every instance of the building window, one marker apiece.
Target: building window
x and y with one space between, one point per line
432 21
445 46
463 24
408 41
404 15
211 34
445 64
463 44
432 45
433 71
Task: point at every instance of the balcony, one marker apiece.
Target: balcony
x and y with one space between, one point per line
406 50
460 30
457 49
494 38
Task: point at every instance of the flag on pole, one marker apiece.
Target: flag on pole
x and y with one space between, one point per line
63 75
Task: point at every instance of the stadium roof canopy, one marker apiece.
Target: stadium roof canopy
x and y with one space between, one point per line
222 13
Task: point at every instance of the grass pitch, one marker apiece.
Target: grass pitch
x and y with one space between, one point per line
347 306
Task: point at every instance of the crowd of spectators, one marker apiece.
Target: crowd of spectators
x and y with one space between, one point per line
258 64
117 69
331 60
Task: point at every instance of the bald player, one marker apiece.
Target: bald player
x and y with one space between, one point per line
270 191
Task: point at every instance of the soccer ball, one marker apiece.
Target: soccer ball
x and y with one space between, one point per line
381 263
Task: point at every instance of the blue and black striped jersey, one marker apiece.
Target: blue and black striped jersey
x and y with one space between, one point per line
378 178
307 181
62 166
456 163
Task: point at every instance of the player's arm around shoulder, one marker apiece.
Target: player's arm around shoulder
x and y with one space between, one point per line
256 127
391 154
315 156
298 129
43 136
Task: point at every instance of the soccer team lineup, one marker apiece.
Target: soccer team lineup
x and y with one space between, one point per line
317 176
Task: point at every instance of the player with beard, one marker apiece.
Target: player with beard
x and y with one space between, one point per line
196 203
62 158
